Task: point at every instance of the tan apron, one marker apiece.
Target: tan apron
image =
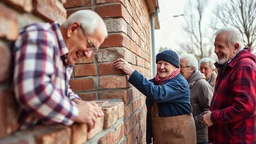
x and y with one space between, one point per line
172 130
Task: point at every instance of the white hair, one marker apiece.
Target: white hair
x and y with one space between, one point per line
191 59
208 60
89 21
234 36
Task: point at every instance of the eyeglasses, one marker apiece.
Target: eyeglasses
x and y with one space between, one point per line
90 45
184 66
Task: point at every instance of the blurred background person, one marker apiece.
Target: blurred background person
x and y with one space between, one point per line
200 94
207 68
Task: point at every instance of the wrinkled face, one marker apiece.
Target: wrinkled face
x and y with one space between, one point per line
206 70
222 49
164 69
185 69
80 44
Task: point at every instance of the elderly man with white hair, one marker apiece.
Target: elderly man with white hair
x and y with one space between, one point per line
200 93
232 117
44 55
207 68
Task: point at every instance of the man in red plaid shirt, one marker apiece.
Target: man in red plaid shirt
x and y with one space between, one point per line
231 118
45 54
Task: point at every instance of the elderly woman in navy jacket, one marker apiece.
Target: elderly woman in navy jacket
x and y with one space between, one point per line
169 118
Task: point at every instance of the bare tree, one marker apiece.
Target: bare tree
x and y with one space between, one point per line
241 15
197 40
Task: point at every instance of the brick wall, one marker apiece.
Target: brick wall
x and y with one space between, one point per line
128 24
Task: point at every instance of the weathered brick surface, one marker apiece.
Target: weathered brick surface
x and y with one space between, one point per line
113 11
124 95
82 84
116 25
132 136
107 138
8 23
108 82
18 139
111 54
77 3
8 112
85 70
97 128
108 69
51 10
85 60
110 1
88 96
22 5
129 124
57 134
5 56
112 112
119 133
116 40
78 133
53 135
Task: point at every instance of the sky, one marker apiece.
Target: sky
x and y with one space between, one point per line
170 27
171 31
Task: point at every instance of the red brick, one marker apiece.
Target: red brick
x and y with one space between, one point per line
107 69
113 11
111 54
51 10
124 95
85 70
18 139
23 5
108 82
107 138
110 114
108 1
9 28
77 3
79 133
130 123
78 84
8 112
116 40
54 135
85 60
116 25
131 137
97 128
5 56
128 110
87 96
119 133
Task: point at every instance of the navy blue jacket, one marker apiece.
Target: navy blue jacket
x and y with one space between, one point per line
173 97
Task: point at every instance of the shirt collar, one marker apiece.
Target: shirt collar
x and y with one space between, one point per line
62 46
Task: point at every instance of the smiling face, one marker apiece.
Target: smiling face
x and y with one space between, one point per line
164 69
223 50
81 44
